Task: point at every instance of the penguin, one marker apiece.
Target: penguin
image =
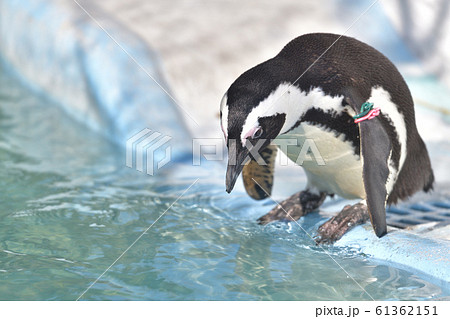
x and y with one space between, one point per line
347 100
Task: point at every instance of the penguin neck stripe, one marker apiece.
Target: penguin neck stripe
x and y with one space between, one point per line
339 123
395 122
294 104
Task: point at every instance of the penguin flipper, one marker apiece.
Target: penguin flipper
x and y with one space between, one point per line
375 148
375 152
256 176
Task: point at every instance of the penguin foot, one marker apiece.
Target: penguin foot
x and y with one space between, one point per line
333 229
294 207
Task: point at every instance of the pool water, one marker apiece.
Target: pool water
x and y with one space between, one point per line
69 207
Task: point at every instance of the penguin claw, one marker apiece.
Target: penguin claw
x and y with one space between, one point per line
294 207
282 212
288 210
333 229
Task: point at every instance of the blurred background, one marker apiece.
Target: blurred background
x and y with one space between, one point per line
205 46
78 78
198 47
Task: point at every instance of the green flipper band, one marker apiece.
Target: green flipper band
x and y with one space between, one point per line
365 109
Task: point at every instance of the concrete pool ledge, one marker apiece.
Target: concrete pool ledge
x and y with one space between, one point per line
408 249
59 51
424 248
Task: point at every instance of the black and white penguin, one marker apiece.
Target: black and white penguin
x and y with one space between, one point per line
315 90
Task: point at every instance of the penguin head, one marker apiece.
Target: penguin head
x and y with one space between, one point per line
249 121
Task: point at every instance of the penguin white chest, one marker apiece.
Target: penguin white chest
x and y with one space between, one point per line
329 161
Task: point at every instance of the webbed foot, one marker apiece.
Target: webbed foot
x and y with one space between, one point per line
294 207
333 229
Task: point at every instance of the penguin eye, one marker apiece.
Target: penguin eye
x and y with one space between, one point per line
258 132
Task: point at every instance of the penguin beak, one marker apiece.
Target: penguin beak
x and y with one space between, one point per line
237 158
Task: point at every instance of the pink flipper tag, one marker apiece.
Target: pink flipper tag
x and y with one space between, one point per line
372 113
